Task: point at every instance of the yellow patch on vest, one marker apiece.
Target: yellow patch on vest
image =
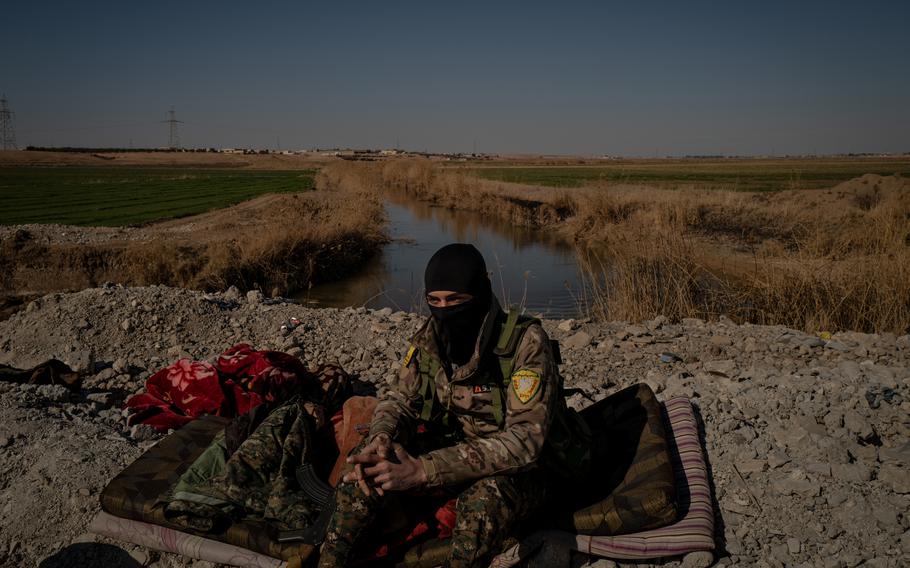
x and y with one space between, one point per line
409 356
526 384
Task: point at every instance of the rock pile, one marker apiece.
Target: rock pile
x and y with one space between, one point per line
808 437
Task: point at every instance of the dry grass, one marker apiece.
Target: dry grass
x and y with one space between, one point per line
277 243
827 259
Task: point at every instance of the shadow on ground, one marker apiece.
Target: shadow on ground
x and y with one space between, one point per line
90 555
719 525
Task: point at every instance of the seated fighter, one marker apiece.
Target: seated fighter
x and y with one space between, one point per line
497 433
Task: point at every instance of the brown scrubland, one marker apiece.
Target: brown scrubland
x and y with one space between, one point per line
825 259
276 243
813 259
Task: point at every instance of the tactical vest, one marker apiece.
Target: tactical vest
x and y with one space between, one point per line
568 441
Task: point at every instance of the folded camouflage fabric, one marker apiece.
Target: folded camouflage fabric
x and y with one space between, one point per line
633 488
137 492
692 531
257 482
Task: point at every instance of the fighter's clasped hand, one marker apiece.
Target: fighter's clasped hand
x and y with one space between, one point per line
384 465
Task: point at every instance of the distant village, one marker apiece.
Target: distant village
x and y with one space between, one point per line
369 155
366 155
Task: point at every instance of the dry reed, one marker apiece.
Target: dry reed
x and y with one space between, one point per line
835 259
277 243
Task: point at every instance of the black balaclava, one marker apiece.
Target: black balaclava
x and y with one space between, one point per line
460 268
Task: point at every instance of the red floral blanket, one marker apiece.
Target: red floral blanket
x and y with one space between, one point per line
240 379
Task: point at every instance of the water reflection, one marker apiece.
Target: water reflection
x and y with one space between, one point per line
530 268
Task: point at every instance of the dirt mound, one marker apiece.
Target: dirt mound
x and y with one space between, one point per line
864 193
813 430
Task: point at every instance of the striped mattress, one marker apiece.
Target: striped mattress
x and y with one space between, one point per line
693 531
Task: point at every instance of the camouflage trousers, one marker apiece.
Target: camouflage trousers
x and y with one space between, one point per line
487 513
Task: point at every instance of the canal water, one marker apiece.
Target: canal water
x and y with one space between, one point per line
529 268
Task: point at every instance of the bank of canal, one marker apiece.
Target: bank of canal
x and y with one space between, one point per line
534 269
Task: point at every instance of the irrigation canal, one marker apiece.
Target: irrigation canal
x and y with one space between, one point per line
528 268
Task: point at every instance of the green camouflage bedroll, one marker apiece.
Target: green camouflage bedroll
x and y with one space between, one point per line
136 492
633 487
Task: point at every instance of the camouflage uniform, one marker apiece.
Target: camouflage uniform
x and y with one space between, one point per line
256 482
495 465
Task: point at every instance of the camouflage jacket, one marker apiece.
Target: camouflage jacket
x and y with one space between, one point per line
532 399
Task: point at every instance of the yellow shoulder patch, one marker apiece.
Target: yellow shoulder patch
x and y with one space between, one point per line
526 384
409 356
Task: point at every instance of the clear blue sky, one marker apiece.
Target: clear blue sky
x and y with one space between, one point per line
631 78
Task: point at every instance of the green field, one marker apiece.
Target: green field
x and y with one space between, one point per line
128 196
744 175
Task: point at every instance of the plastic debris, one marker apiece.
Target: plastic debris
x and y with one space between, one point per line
668 357
289 326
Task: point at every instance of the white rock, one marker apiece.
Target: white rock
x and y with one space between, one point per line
721 340
791 486
636 330
81 361
725 367
566 325
851 472
751 466
232 294
53 393
857 424
600 563
140 555
121 366
898 455
898 478
102 398
813 342
143 432
700 559
849 369
578 340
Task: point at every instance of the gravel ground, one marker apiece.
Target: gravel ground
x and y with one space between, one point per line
807 438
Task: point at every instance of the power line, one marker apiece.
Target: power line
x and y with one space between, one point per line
89 128
7 132
173 138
